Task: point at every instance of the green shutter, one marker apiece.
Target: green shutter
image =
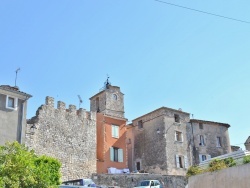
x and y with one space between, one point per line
111 154
120 155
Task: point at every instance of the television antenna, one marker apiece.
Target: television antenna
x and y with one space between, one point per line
80 100
16 75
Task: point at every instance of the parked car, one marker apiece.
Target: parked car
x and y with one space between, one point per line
78 183
149 184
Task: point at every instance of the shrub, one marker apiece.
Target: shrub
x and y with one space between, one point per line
230 162
216 164
246 159
194 170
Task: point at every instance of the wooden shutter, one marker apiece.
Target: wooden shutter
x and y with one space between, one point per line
186 162
200 157
175 135
182 137
120 155
111 154
116 131
177 161
113 130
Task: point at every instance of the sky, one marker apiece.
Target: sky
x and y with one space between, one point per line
158 54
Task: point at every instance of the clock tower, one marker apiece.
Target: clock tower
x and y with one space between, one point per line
108 101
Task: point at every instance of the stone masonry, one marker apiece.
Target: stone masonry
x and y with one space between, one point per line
66 134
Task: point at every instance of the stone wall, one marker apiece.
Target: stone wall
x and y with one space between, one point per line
66 134
232 177
131 180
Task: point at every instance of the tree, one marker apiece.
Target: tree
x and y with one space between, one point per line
21 168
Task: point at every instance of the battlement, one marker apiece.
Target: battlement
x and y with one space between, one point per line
48 108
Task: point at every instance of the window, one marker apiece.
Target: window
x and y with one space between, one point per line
138 166
115 131
115 97
11 102
203 157
218 141
202 140
140 124
200 125
181 161
176 118
178 136
116 154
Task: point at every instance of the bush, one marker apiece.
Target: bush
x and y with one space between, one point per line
216 164
230 162
22 168
194 170
246 159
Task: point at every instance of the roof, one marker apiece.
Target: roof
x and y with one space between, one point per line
248 140
162 108
209 122
14 89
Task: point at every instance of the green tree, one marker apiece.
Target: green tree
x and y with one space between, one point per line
21 168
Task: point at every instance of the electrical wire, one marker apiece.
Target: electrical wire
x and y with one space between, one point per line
204 12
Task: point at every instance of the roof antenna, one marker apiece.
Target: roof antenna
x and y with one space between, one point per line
80 100
16 75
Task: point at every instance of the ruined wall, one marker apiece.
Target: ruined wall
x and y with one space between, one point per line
66 134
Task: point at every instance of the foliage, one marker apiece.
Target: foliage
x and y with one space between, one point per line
194 170
229 162
246 159
216 164
20 167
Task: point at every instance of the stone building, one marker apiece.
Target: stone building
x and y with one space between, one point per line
66 134
111 128
166 141
247 144
160 142
13 105
210 139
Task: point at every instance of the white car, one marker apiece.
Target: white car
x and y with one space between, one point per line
149 184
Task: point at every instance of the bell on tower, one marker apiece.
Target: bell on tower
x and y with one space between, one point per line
108 101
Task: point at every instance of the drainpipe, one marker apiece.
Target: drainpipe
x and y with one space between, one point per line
21 120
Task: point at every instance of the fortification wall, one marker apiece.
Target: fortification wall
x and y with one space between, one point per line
66 134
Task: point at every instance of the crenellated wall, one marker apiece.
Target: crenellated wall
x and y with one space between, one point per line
67 134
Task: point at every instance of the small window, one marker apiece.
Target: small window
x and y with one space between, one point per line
140 124
181 161
178 136
11 102
202 140
115 131
138 166
116 154
203 157
201 125
218 141
176 118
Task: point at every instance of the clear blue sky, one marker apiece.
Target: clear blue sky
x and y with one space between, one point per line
159 55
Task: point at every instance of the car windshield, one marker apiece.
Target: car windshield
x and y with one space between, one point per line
144 183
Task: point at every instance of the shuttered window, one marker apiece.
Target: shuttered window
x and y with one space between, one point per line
116 154
181 161
115 131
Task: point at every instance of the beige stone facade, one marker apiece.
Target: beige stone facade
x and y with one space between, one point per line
210 139
66 134
161 142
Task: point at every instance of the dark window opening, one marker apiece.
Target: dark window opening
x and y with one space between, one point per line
177 118
140 124
116 154
200 125
138 166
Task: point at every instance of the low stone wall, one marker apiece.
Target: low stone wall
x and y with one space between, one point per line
233 177
131 180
